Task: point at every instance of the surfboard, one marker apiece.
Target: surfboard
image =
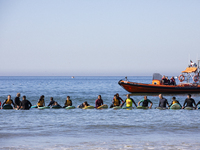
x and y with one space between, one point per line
161 108
128 108
45 107
35 106
141 107
175 106
188 108
198 106
56 107
7 106
70 107
89 107
103 107
117 107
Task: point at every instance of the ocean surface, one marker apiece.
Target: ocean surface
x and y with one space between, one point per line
93 129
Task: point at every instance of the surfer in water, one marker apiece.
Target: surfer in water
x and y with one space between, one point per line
145 102
41 102
25 104
68 102
129 101
51 101
8 101
17 101
98 102
163 101
189 101
83 105
174 101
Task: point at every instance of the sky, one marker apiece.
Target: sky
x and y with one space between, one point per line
98 37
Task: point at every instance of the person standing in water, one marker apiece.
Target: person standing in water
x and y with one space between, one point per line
68 102
163 102
189 101
25 104
145 102
98 102
8 101
17 101
41 102
129 101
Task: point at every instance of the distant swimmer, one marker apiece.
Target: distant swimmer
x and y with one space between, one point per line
98 102
17 101
83 105
8 101
174 101
51 101
25 104
163 102
68 102
189 101
145 102
129 101
41 102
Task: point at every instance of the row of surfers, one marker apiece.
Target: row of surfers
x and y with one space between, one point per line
117 101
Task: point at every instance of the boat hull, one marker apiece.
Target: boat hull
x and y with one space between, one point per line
134 87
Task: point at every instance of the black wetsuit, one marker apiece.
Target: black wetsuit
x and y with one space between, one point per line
198 103
51 103
17 101
26 104
189 102
163 102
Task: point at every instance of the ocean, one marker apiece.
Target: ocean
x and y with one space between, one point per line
92 129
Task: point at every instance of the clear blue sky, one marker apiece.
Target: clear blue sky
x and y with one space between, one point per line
98 37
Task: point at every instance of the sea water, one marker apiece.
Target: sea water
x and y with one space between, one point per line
93 129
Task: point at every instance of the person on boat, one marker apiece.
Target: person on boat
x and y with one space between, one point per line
172 81
68 102
98 102
174 101
8 101
25 104
145 102
191 63
85 104
51 101
163 101
189 101
129 101
164 80
41 102
167 82
17 101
